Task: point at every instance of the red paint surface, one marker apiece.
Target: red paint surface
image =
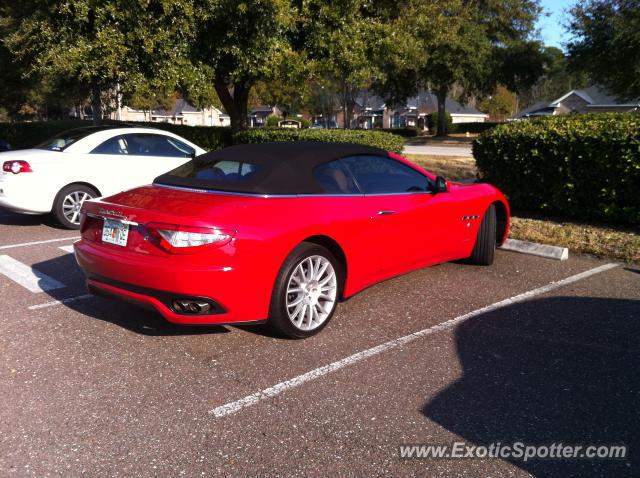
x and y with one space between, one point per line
425 229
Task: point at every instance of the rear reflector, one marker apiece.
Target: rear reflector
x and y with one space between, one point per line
16 167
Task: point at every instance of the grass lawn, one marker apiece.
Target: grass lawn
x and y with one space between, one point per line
604 241
451 140
451 167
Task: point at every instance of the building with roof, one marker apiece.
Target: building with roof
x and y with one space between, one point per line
258 115
371 111
594 99
182 112
417 108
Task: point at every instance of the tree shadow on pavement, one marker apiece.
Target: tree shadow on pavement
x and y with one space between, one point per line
562 369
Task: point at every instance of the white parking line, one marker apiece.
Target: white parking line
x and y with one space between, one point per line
68 249
233 407
26 276
34 243
61 301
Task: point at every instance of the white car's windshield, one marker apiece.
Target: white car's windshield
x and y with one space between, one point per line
65 139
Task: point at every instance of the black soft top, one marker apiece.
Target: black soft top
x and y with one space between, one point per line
282 167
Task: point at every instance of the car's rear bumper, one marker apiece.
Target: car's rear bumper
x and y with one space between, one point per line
103 289
22 203
157 282
23 195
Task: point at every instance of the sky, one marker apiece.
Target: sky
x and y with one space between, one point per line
552 26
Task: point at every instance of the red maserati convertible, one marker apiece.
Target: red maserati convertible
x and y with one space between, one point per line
280 232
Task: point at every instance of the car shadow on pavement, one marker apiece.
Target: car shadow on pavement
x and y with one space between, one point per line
561 369
8 218
136 319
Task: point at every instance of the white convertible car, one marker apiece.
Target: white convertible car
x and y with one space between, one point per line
60 174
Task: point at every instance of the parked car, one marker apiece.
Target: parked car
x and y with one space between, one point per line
281 232
58 175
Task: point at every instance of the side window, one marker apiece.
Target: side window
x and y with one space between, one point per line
115 145
333 178
156 145
379 175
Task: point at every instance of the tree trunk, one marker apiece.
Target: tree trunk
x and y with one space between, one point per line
347 111
96 105
350 108
234 103
442 111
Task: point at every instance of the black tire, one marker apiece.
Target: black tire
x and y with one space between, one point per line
484 250
58 204
278 316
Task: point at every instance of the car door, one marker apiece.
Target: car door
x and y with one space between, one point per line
135 159
107 166
410 224
152 154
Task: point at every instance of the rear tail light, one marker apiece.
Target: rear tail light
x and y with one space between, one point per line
175 238
16 167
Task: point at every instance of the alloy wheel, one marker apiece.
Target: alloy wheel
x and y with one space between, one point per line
311 292
71 205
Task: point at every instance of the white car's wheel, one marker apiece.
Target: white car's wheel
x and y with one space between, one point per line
68 202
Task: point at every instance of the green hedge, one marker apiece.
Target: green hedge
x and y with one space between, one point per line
579 166
379 139
432 122
406 132
27 135
209 138
474 128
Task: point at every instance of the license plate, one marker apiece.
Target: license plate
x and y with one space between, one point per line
115 232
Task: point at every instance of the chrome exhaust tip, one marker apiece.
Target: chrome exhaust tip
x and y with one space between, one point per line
192 307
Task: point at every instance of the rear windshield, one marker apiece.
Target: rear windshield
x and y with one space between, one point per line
66 139
237 176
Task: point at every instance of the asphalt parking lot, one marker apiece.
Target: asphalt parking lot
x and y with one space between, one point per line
94 387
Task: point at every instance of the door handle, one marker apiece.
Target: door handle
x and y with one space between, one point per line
385 213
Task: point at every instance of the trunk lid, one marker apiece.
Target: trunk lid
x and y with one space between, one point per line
147 205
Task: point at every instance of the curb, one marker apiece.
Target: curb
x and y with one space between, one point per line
533 248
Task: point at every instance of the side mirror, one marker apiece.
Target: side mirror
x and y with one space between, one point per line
441 185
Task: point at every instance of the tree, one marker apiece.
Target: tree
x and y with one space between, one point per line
14 90
335 36
556 80
607 36
35 97
242 43
98 44
146 98
462 59
466 45
500 105
290 88
519 66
